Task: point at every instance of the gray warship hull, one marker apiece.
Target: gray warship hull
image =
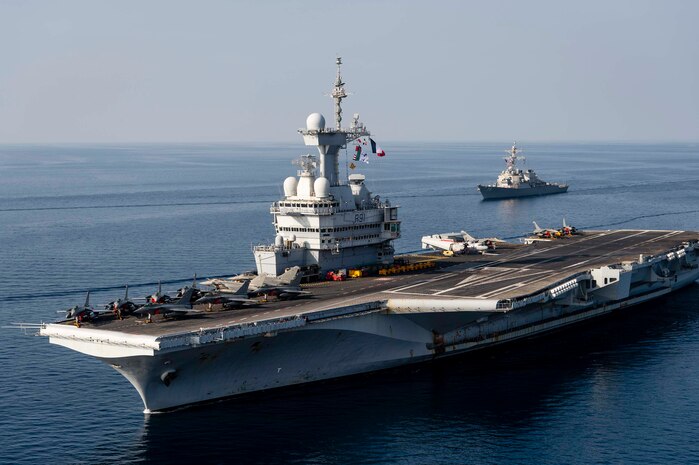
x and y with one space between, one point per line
467 303
495 192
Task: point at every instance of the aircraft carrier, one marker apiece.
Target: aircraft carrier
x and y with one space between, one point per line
466 303
412 309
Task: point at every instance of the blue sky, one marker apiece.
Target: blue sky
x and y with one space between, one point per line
240 71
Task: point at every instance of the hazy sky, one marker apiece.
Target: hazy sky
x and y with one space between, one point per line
214 71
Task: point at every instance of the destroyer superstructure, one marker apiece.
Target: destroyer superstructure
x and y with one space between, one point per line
514 182
323 223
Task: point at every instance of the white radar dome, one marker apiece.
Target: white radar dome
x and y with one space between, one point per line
321 187
290 185
315 122
279 241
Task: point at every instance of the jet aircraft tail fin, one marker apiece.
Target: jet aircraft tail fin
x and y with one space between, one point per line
468 237
243 290
258 281
297 279
289 275
186 296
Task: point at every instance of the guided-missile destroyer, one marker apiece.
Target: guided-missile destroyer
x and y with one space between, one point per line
408 313
514 182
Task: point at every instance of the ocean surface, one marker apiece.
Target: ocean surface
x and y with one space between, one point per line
622 389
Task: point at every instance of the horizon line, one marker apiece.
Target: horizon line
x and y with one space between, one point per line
385 141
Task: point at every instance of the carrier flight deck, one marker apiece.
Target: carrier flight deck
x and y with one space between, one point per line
514 271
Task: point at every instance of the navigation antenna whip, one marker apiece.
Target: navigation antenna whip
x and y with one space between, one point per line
338 93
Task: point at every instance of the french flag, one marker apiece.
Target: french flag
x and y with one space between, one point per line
376 149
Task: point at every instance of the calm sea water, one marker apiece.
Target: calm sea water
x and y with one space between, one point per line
624 389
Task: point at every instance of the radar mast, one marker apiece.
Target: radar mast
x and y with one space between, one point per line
329 141
338 93
513 156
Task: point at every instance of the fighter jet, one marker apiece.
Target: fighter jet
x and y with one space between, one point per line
158 297
122 306
232 284
568 230
82 312
180 307
291 277
545 233
184 289
457 243
228 285
228 299
285 286
489 242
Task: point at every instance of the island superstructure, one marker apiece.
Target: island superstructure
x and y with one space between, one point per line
323 223
514 182
402 315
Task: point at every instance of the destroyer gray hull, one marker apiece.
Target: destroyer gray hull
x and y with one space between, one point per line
474 303
494 193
